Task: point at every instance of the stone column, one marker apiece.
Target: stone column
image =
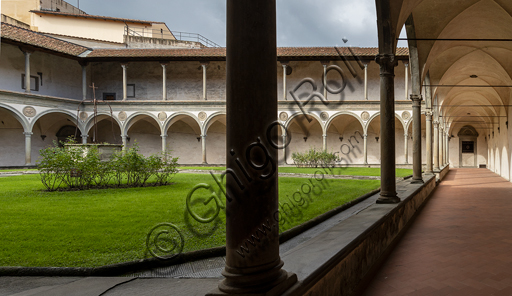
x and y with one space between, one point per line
84 81
204 65
416 139
28 148
365 149
203 148
125 94
429 170
406 148
84 139
164 81
124 138
441 147
387 64
324 142
285 96
446 146
366 81
406 81
436 146
324 77
164 143
284 148
27 54
250 159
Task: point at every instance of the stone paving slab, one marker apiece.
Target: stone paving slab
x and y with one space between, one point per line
459 244
90 286
164 287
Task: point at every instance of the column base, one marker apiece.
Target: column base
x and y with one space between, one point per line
388 199
429 172
287 283
204 162
417 181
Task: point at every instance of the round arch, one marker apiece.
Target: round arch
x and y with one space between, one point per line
210 120
136 117
378 114
179 116
89 123
60 111
293 116
340 113
16 114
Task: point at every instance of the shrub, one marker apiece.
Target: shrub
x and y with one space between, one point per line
314 158
76 167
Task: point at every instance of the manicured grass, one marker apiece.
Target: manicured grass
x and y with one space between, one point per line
106 226
345 171
219 168
337 171
18 170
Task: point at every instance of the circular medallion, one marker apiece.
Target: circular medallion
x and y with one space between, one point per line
406 115
283 116
83 116
122 116
162 116
324 116
29 111
365 116
202 116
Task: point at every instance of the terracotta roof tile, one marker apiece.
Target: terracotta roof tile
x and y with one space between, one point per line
36 39
282 52
94 16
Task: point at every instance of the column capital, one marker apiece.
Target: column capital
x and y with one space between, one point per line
85 136
365 135
325 63
285 63
26 50
205 63
416 98
366 66
406 135
124 65
387 62
28 134
163 136
83 63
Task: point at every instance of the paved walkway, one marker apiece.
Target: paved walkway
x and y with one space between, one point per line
460 243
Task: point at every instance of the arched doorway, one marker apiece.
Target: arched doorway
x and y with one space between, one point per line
468 147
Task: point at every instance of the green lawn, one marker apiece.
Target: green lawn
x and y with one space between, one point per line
337 171
18 170
106 226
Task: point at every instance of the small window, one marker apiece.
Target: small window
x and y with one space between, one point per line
34 82
130 90
109 96
468 147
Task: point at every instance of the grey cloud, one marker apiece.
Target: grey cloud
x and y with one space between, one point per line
299 22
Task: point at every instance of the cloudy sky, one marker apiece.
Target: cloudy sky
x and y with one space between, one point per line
299 22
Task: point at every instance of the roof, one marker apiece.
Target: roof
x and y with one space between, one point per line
35 39
283 53
93 17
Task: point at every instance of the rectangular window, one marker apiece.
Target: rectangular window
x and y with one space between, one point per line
34 82
468 147
130 90
109 96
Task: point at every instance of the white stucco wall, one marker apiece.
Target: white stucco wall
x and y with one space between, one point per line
61 77
81 27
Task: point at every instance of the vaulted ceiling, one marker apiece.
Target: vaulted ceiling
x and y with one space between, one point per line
467 54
